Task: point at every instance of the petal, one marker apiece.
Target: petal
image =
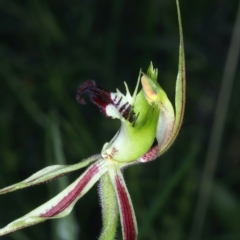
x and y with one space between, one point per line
180 92
62 204
127 215
48 174
165 124
115 105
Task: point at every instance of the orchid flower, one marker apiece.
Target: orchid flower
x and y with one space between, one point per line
145 115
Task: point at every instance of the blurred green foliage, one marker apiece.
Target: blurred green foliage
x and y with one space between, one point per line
48 48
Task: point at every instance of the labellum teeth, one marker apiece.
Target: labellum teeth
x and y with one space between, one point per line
113 105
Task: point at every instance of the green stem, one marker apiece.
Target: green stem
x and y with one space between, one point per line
109 208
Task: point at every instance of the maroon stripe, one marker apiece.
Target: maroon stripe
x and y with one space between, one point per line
72 195
123 107
118 102
125 208
150 155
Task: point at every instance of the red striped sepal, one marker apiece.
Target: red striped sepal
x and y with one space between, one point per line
62 204
127 215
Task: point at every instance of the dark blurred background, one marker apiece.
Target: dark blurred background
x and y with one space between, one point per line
48 48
